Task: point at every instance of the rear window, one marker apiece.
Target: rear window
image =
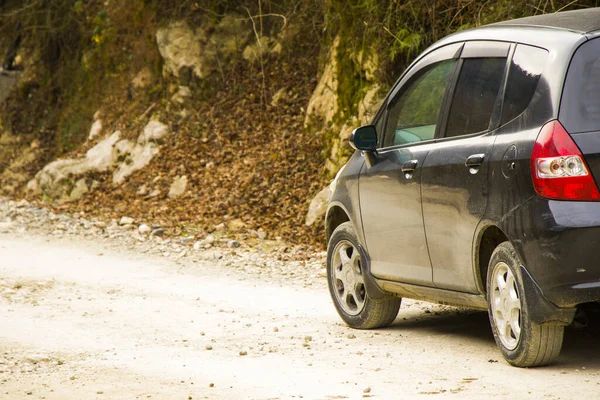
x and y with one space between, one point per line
523 77
580 104
475 95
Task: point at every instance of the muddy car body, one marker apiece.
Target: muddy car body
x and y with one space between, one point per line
475 185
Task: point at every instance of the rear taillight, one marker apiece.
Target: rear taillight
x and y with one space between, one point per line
558 168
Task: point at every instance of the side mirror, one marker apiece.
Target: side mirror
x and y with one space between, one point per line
364 138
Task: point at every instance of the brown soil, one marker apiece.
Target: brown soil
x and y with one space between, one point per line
244 158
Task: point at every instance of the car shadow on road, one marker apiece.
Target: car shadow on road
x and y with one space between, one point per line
580 348
580 345
469 324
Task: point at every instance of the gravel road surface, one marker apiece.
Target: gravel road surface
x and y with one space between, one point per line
101 319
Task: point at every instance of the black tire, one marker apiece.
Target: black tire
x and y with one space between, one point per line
348 294
527 344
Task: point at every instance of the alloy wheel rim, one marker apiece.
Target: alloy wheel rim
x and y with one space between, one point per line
347 278
506 306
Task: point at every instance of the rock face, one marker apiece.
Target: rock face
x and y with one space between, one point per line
323 102
323 106
202 50
97 126
318 207
58 180
78 190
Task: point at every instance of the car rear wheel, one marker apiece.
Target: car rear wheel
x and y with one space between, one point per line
346 279
522 342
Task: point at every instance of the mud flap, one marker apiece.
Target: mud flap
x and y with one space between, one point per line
372 288
541 311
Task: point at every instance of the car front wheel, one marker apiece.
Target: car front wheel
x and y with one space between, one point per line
346 279
522 342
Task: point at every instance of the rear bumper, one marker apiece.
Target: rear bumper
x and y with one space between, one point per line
559 242
572 295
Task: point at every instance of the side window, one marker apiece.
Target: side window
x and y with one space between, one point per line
523 77
475 95
413 115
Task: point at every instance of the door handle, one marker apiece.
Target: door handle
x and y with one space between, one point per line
473 162
409 167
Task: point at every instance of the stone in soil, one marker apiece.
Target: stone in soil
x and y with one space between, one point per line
126 221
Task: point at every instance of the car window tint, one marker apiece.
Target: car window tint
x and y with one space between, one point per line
475 95
523 77
414 114
379 127
580 103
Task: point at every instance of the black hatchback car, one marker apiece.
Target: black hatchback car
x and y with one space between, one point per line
475 185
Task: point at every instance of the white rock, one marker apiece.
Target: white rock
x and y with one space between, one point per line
233 244
142 79
5 226
317 207
199 50
178 187
144 229
33 187
323 102
180 47
154 131
78 190
140 157
122 149
96 130
210 239
100 157
142 190
182 96
126 221
154 193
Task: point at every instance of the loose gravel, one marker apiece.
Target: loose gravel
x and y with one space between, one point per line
274 260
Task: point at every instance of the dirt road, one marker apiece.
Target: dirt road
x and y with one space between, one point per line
81 321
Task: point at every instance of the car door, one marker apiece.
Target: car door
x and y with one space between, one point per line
455 172
389 184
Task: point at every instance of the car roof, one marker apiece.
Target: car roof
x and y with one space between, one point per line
581 21
559 31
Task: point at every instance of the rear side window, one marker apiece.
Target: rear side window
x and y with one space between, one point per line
580 104
475 95
523 77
